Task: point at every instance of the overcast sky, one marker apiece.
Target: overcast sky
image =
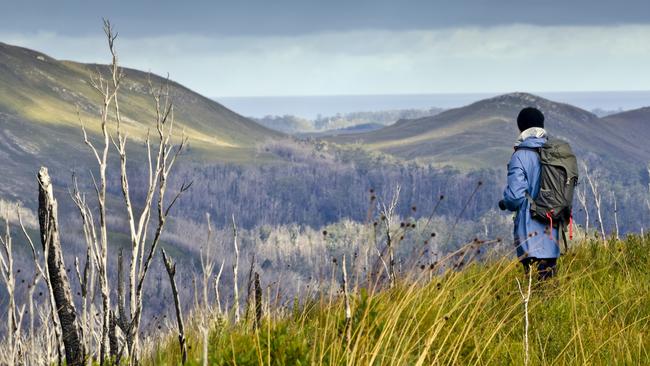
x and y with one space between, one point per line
304 47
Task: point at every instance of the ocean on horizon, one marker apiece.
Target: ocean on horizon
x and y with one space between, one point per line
327 105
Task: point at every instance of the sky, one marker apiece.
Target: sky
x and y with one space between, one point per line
308 47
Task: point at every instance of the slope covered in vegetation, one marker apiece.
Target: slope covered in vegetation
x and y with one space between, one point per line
596 311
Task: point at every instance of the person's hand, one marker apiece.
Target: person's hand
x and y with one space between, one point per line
502 205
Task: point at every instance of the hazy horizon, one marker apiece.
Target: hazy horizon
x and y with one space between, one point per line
310 106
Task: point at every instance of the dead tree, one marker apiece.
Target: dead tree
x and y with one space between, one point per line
159 167
348 310
207 266
87 278
525 298
258 301
49 226
171 271
235 270
108 91
594 185
14 316
249 289
217 298
387 215
581 193
41 271
615 217
647 201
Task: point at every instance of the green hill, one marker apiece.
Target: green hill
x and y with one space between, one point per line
483 133
39 88
595 312
39 125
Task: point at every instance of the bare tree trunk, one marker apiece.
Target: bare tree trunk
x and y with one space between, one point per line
249 289
30 299
216 289
113 343
171 271
616 217
47 213
582 198
207 266
7 269
593 183
258 301
235 269
647 201
526 299
348 310
43 273
387 216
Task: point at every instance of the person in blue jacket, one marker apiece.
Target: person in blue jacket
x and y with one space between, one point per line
536 242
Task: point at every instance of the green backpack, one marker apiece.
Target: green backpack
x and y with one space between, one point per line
559 177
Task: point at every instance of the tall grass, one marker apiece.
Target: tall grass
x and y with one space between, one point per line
596 311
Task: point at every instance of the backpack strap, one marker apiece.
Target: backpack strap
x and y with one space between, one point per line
535 149
566 242
531 201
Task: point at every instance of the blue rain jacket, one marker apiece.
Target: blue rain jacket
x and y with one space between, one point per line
532 237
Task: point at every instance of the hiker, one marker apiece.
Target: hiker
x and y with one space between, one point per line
536 234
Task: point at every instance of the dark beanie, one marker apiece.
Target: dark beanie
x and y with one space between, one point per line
530 117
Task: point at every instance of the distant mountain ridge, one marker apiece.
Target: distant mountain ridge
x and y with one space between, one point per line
483 133
360 121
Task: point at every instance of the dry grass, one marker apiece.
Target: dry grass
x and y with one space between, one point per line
596 311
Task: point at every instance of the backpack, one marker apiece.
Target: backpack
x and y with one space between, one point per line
559 177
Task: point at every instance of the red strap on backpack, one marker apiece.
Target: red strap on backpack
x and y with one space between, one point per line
571 227
550 228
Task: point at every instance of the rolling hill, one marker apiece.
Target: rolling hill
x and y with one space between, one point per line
36 87
483 133
631 127
39 125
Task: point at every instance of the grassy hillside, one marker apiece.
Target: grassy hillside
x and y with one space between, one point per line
597 311
483 133
38 88
40 98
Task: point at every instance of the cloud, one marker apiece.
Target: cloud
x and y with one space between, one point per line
462 59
